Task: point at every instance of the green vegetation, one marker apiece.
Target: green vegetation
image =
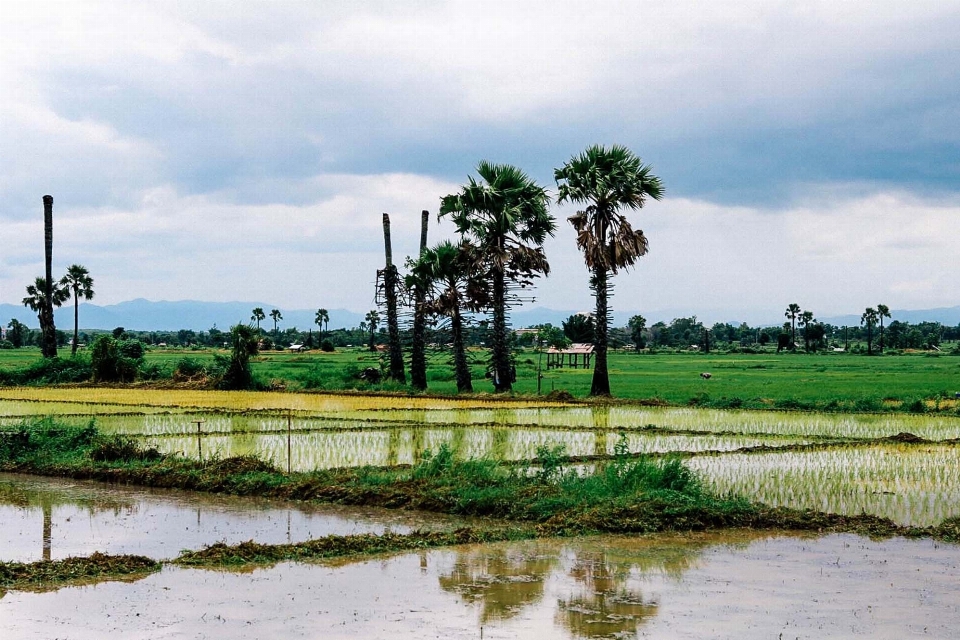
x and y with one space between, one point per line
627 494
824 382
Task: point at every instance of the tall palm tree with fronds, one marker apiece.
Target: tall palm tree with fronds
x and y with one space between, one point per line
77 282
792 313
257 316
373 320
607 180
444 272
883 311
504 216
38 302
321 317
276 316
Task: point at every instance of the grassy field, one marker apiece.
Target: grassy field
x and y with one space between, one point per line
827 381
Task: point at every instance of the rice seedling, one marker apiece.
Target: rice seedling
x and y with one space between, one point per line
912 485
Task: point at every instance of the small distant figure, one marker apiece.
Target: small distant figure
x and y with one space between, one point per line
705 375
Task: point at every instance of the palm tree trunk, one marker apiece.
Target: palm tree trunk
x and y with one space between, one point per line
869 341
881 335
501 351
390 293
461 369
49 331
601 378
418 355
76 321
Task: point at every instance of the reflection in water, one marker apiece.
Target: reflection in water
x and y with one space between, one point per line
605 606
502 583
602 596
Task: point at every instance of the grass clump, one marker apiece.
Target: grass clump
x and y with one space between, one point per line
58 573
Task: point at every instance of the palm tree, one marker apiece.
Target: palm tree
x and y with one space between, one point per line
805 320
257 316
322 316
37 301
277 317
372 319
792 313
504 216
78 283
869 319
883 311
606 180
444 273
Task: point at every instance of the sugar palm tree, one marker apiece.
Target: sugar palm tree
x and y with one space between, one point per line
883 311
869 319
792 313
444 274
805 320
321 317
277 317
373 319
77 282
37 300
607 180
504 216
257 316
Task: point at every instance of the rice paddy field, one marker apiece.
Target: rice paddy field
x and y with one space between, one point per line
844 463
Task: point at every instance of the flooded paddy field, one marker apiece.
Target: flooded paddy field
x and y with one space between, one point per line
750 453
731 585
48 518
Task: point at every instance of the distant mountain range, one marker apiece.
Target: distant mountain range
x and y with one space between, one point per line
146 315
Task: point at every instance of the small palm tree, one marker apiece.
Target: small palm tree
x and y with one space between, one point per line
504 215
78 283
869 319
792 313
606 180
36 300
257 316
883 311
373 319
277 317
444 273
805 320
321 318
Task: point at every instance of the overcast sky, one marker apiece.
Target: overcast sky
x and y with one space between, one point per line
245 151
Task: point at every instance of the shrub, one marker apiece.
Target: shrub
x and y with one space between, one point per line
326 346
108 362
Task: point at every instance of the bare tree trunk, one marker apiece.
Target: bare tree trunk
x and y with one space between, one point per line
390 293
460 366
76 322
601 378
48 330
418 356
502 380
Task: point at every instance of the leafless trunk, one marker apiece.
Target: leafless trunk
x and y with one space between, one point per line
390 277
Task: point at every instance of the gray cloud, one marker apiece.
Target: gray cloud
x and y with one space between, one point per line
238 138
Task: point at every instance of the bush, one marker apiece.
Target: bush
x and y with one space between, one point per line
49 371
326 346
6 344
189 367
108 362
118 448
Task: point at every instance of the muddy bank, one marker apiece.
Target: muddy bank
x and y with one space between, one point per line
48 575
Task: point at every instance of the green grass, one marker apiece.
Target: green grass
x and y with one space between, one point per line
830 382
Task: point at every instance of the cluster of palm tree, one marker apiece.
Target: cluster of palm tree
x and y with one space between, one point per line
870 318
502 218
76 284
